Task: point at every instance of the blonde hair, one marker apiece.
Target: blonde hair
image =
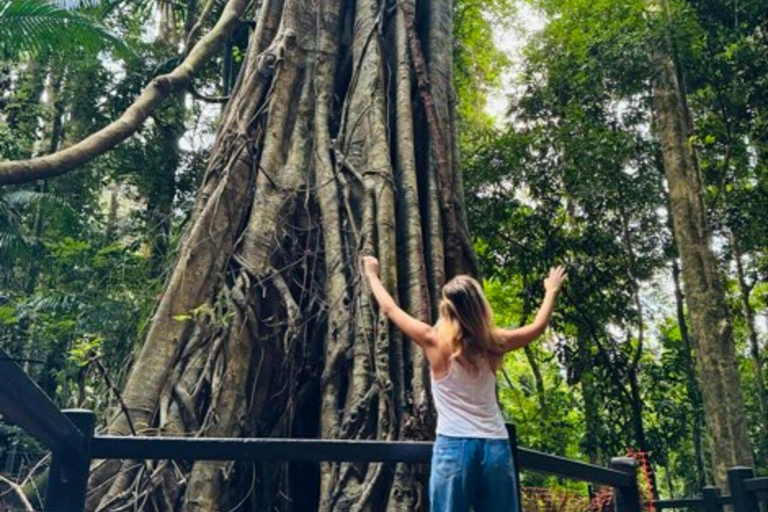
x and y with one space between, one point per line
466 320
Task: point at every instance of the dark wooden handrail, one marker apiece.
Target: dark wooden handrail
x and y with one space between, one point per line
329 450
756 484
23 402
69 435
302 450
679 503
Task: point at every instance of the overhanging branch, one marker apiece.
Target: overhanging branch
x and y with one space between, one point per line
160 88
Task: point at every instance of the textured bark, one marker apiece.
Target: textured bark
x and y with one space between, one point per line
264 328
712 333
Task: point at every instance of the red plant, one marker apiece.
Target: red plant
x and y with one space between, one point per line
645 476
543 499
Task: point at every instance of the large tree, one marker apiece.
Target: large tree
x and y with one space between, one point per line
710 326
338 139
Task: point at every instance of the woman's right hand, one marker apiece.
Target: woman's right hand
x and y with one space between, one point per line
554 281
370 266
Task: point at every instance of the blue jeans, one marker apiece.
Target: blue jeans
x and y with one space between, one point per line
469 472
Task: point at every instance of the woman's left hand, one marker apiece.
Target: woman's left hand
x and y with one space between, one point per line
554 282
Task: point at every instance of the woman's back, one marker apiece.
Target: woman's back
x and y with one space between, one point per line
466 403
472 462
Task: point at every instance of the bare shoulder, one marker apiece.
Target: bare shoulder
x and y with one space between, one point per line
438 355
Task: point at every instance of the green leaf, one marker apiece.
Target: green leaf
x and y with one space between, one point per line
37 26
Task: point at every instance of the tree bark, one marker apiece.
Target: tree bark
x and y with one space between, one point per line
712 333
321 156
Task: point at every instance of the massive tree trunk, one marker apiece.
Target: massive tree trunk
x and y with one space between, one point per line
327 149
711 329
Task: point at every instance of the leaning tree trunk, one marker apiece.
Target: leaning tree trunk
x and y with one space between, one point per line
334 143
711 329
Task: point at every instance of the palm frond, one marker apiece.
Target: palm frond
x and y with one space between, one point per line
13 246
76 4
34 26
51 302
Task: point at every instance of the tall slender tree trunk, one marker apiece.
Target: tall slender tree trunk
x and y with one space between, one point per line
538 378
635 392
694 394
637 353
170 127
712 334
754 343
593 425
54 135
321 155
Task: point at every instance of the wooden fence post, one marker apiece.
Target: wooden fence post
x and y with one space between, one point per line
743 500
711 497
512 433
68 476
626 499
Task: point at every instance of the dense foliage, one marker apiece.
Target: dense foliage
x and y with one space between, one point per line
575 176
572 173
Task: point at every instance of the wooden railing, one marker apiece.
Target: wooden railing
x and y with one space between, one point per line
70 436
747 492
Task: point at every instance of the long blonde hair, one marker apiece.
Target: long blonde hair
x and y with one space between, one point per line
466 320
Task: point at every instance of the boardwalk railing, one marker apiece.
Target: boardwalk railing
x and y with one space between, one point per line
747 491
70 437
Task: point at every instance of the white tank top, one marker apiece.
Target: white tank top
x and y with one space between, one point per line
466 404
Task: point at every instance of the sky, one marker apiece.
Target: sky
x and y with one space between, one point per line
512 39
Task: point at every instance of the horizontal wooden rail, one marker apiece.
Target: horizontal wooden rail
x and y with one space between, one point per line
23 402
330 450
724 500
756 484
533 460
306 450
679 503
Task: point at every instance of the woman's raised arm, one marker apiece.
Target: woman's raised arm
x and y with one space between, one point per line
512 339
421 333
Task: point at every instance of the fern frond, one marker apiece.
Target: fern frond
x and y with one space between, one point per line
33 26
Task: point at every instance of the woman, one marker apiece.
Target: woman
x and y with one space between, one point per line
472 462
